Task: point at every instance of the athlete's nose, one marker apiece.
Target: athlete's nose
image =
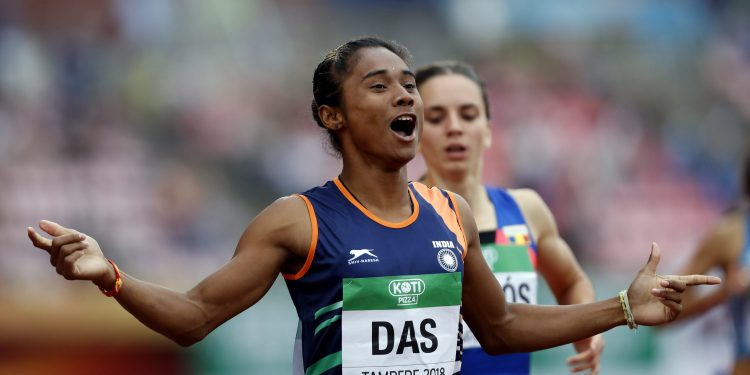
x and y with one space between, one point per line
404 98
453 124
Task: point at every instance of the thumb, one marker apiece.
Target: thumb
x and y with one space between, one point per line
653 259
54 229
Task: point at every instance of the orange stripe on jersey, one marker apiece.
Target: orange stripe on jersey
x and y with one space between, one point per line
389 224
442 206
460 226
313 242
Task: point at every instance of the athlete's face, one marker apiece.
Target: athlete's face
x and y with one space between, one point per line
382 110
456 131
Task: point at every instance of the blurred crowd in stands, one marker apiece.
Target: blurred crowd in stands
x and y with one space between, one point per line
161 127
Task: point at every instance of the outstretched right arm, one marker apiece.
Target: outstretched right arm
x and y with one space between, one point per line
275 241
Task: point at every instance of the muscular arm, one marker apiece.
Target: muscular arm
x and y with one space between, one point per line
719 248
559 267
556 262
501 327
275 240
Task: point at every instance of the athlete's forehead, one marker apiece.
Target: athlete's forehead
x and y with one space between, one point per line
450 90
372 62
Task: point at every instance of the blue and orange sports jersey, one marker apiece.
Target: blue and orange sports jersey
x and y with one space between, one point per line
739 306
511 253
379 297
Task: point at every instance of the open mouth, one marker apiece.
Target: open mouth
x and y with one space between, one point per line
404 125
456 151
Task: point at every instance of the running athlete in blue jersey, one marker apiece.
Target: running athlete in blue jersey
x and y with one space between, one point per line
378 268
727 246
517 231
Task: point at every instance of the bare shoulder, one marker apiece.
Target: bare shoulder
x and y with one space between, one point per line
721 245
528 199
286 223
730 225
290 205
466 216
463 206
728 234
535 210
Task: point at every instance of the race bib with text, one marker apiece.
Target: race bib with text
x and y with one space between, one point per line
404 325
513 269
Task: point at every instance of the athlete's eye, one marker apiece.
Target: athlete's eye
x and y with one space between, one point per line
434 119
469 113
469 117
434 115
378 86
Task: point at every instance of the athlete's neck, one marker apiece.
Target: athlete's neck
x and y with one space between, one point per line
385 194
468 186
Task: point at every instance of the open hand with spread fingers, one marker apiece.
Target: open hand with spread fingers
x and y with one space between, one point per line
74 255
657 299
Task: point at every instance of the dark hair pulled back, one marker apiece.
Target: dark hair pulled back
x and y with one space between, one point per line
334 68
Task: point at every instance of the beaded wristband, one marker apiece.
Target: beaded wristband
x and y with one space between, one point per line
118 282
626 310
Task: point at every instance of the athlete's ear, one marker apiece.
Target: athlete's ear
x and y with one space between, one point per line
487 137
331 117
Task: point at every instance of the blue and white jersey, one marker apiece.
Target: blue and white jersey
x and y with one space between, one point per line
511 253
378 297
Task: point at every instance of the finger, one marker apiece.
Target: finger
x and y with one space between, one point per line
599 344
582 367
672 305
673 283
54 229
63 240
667 294
70 248
67 268
576 359
654 258
37 240
692 280
66 239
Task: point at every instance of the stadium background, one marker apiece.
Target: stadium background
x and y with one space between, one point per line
161 127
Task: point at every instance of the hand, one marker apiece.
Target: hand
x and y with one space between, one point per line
589 355
657 299
74 255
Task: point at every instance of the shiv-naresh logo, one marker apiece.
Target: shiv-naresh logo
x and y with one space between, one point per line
362 256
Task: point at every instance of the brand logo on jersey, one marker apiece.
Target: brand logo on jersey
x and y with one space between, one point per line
406 291
362 256
447 260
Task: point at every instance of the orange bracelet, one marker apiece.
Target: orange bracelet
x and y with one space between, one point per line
118 282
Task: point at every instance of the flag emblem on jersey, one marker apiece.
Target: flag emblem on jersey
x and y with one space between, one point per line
517 234
447 260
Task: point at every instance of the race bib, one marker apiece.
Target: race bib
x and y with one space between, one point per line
513 269
405 325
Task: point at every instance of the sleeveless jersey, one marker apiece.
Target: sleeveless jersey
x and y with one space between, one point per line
510 252
376 297
739 306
